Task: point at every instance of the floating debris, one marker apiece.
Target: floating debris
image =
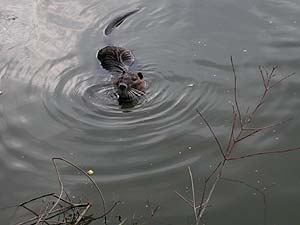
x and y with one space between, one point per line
90 172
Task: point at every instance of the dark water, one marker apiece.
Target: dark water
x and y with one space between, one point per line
55 104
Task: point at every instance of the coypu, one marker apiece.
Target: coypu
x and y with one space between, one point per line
117 60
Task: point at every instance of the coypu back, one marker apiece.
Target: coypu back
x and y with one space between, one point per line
115 59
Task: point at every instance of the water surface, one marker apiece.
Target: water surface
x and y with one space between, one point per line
55 104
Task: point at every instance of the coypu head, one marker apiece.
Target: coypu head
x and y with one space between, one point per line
130 86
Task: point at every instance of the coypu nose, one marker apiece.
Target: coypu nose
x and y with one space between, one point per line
123 86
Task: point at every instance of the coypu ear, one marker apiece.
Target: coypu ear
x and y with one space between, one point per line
141 76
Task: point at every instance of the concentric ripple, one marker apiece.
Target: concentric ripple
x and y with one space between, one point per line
77 103
89 101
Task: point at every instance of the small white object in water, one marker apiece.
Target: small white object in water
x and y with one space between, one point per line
189 147
245 50
277 138
190 85
1 92
90 172
270 22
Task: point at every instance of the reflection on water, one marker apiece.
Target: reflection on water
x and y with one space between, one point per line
58 101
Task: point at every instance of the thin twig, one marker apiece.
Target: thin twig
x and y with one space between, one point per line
231 137
155 210
108 211
284 78
266 153
212 132
184 199
193 193
257 130
82 214
262 76
205 204
88 176
235 92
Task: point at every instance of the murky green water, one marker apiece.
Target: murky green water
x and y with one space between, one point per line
54 104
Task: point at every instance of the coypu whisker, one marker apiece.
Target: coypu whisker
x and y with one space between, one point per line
138 92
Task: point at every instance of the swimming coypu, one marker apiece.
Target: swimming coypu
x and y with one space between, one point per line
117 60
130 85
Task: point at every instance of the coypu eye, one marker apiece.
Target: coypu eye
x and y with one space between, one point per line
140 75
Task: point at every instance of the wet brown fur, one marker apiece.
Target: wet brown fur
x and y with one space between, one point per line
118 60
